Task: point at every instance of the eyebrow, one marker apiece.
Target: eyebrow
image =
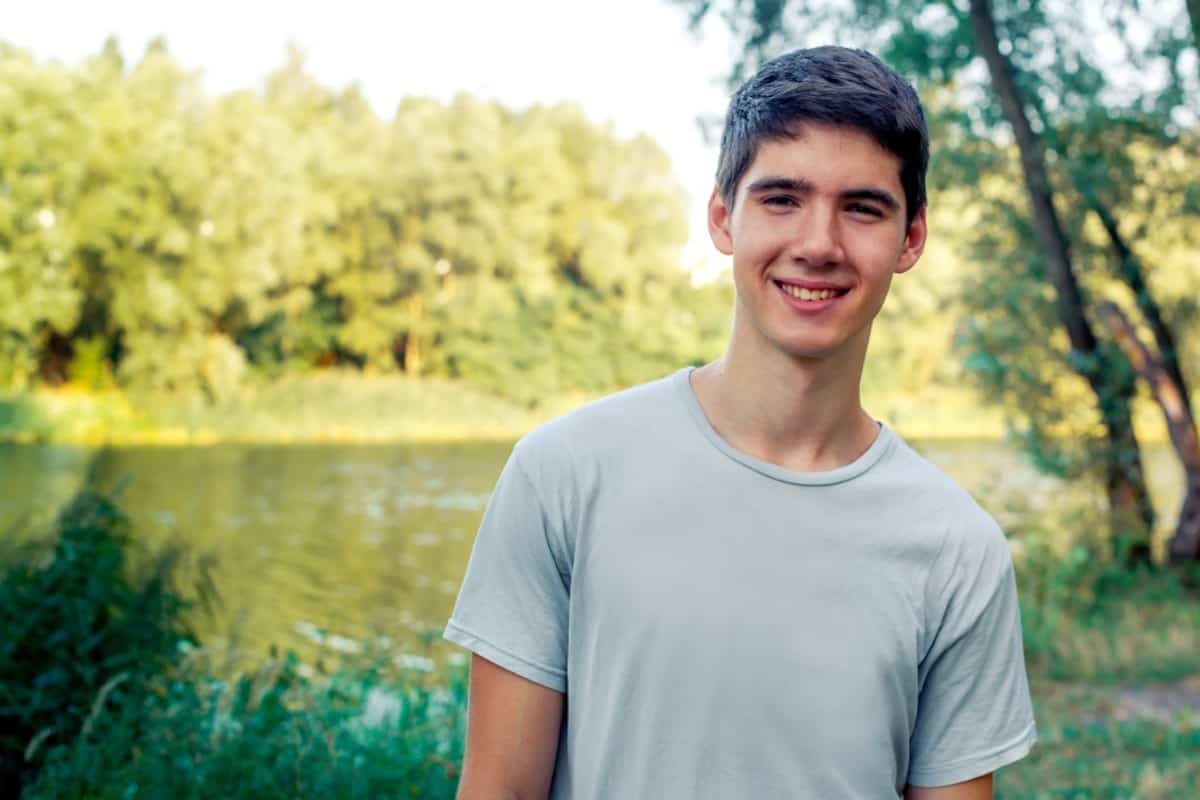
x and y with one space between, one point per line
774 183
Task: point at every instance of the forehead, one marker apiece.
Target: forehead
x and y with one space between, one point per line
826 156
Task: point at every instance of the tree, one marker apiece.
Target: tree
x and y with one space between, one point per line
1193 7
174 242
1047 87
40 294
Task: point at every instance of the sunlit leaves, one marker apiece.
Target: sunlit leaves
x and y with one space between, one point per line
158 228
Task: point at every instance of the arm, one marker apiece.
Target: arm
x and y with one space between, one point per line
512 736
975 789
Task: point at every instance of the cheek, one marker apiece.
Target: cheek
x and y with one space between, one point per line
755 246
881 256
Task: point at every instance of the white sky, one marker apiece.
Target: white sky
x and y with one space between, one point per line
633 63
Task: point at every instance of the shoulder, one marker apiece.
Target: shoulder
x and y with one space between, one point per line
924 482
965 538
616 422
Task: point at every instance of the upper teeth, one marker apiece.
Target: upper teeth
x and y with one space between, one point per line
808 294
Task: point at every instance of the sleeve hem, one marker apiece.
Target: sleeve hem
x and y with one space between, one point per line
550 678
973 766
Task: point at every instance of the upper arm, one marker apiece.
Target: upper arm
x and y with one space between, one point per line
513 727
975 789
974 714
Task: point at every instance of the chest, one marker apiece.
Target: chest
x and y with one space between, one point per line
777 593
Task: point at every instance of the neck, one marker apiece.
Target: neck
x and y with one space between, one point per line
803 414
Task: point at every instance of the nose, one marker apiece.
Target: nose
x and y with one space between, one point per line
816 240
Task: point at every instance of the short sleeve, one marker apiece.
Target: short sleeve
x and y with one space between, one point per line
974 713
512 606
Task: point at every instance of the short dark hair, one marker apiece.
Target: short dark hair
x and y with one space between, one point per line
834 86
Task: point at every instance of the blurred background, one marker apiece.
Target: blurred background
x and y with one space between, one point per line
280 285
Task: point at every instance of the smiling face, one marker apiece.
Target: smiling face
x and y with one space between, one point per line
817 228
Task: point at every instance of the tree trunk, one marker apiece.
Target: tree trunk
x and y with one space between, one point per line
1193 7
412 354
1181 426
1127 495
1130 269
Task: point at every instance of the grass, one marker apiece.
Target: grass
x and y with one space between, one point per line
1113 656
319 407
349 407
346 406
275 732
1091 745
104 693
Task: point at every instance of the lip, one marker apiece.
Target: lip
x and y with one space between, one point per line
810 306
812 286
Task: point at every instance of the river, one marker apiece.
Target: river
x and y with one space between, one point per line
337 544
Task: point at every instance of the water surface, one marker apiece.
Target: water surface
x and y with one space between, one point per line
368 540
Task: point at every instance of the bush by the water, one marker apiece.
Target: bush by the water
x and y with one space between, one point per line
273 733
104 692
83 630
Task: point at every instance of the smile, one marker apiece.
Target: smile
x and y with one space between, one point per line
809 295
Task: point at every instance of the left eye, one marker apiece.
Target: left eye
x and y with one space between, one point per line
859 208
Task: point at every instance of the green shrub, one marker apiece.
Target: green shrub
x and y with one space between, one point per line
273 733
21 418
1087 616
82 630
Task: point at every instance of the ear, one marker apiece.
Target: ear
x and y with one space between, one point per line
914 242
718 223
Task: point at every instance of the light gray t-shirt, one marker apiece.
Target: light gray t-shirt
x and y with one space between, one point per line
727 628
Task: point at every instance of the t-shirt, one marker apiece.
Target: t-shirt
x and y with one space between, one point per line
724 627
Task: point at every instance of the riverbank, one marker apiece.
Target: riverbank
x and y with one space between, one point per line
321 407
347 407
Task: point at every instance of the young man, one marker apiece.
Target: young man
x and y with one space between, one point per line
733 582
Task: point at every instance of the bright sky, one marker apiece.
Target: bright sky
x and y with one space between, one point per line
633 63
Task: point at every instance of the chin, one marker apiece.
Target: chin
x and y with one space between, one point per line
810 351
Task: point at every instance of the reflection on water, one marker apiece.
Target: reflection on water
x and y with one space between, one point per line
335 543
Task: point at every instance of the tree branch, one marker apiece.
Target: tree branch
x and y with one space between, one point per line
1130 269
1193 7
1180 424
1033 164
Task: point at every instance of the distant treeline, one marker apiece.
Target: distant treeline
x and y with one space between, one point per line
155 237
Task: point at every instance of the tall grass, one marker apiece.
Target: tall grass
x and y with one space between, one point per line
323 406
271 733
1100 639
1087 617
347 406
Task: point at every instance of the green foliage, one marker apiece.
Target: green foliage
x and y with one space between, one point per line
1088 618
277 732
1090 745
328 405
82 629
175 241
20 417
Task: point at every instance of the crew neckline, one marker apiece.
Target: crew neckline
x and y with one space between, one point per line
879 447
